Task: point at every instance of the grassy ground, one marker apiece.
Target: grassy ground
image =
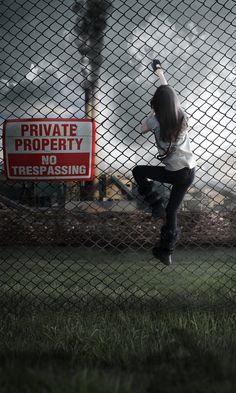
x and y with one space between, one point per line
91 321
72 276
121 352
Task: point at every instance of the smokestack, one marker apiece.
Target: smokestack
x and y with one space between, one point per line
90 25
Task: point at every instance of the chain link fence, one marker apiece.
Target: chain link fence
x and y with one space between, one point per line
88 243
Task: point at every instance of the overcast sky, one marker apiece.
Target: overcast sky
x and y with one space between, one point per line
40 74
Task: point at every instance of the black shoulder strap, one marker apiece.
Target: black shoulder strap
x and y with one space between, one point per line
168 151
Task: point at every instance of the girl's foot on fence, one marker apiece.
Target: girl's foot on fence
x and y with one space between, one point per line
163 255
156 204
167 245
158 209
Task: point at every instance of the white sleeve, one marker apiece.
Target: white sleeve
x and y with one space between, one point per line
152 123
184 125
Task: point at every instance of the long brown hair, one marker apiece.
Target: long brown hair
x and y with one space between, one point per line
167 109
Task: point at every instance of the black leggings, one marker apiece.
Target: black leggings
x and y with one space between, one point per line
180 180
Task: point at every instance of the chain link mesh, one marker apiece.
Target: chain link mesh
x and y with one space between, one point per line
71 243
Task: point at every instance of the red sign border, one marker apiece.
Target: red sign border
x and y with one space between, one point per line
47 120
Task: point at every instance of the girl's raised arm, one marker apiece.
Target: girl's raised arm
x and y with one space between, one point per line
156 65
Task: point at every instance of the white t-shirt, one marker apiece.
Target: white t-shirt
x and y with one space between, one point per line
182 155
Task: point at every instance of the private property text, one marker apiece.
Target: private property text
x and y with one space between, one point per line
52 137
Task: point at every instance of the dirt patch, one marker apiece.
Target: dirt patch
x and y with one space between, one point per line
107 229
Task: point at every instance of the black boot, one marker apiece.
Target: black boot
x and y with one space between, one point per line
168 241
158 209
146 189
163 255
143 191
153 199
156 203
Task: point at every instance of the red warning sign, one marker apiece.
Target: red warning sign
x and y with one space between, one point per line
49 149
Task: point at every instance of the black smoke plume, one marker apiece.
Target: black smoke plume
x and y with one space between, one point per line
90 27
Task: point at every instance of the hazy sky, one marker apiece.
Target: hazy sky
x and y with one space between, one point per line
40 74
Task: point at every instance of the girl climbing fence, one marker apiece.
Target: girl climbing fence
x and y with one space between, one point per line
169 125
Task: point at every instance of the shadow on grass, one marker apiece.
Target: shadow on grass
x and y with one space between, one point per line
26 302
185 365
181 365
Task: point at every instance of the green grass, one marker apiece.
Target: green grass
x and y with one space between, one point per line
121 351
92 321
74 277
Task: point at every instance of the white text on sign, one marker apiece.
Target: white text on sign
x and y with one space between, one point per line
55 142
44 149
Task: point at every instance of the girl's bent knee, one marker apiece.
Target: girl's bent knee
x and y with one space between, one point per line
135 171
